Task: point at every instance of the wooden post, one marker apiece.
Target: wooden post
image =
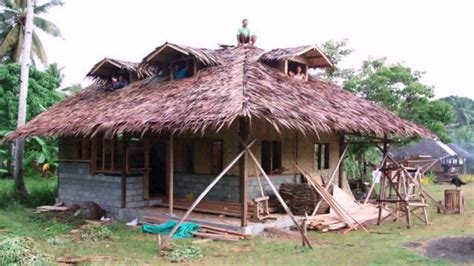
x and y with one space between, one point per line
146 176
170 172
342 150
243 166
123 180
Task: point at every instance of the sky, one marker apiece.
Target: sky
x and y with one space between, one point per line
432 36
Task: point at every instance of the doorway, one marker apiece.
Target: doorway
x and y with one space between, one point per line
157 177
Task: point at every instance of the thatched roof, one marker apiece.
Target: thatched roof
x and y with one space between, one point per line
108 67
310 54
162 55
425 147
239 86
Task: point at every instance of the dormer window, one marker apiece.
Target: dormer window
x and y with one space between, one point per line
296 70
173 62
113 74
295 62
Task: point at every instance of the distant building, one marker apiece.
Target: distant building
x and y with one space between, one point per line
433 155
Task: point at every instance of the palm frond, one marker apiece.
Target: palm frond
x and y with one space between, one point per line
38 49
11 38
44 8
19 46
47 26
11 4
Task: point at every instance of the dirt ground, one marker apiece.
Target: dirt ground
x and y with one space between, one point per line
456 249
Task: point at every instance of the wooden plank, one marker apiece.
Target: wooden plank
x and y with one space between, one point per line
243 167
217 237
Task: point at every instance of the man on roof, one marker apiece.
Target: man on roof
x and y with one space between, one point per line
243 35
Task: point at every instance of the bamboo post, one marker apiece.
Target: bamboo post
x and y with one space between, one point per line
341 159
208 188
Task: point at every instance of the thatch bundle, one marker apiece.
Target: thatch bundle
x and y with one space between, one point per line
302 198
241 85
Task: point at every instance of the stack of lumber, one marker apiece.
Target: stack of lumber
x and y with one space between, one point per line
302 198
216 233
359 214
229 209
42 209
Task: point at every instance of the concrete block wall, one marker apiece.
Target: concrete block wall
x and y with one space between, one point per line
77 185
134 194
227 189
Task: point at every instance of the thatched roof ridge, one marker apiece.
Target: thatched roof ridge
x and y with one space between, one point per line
281 54
132 67
241 86
206 56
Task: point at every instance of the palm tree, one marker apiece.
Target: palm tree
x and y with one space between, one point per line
12 23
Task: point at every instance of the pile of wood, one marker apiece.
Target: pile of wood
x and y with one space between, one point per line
54 208
216 233
205 231
229 209
302 198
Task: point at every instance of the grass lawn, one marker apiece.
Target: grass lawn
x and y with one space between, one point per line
383 245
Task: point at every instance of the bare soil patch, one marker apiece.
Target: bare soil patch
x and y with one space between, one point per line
456 249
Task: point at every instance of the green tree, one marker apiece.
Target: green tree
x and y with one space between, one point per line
463 110
399 89
12 22
57 72
42 93
336 51
395 87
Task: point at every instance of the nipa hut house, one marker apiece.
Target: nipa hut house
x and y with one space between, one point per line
432 156
163 140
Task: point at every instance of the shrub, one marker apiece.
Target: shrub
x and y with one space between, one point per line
179 253
429 178
95 232
21 251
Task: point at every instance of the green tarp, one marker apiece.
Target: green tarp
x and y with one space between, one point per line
184 231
